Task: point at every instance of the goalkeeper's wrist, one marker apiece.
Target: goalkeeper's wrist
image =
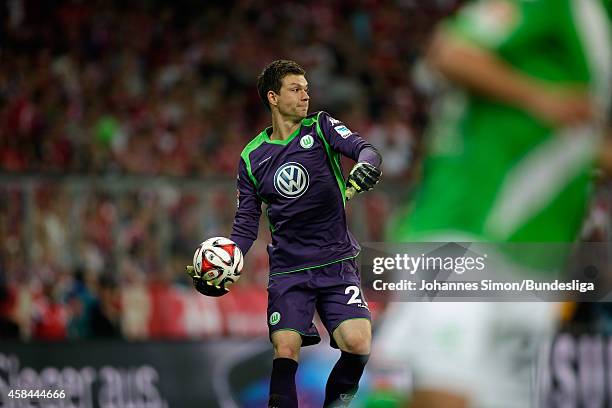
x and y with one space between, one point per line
371 156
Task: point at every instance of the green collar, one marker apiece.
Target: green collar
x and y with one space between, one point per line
281 142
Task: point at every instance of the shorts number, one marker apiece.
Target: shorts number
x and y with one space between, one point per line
355 295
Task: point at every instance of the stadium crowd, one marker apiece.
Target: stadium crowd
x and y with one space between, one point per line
144 89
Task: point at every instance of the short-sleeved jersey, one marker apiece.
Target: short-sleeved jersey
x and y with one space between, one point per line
494 171
301 182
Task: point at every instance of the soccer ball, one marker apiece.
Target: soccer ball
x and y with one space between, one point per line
218 260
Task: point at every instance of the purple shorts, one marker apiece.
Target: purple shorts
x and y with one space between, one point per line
334 291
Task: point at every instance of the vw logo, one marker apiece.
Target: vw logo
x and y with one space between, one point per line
291 180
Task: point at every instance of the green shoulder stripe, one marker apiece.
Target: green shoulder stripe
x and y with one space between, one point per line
334 160
246 153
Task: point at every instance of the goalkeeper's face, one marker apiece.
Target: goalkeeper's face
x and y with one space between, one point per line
292 99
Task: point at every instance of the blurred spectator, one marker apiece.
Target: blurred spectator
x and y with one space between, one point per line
396 143
105 313
50 318
135 301
9 329
80 302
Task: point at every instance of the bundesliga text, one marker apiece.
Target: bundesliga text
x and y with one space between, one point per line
484 285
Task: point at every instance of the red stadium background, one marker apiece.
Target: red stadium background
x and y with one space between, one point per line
121 125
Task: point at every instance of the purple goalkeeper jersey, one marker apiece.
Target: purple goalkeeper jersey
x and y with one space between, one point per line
300 180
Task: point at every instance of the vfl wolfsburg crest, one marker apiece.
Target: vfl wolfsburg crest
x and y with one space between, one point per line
291 180
307 141
275 318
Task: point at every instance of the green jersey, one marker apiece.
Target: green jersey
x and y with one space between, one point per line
494 172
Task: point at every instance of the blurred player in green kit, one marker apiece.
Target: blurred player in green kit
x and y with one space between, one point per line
510 153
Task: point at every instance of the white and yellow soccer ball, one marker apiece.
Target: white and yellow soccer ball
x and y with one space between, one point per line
218 261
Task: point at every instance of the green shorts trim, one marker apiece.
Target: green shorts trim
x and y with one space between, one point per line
307 339
317 266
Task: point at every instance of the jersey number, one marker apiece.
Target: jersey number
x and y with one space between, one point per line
354 290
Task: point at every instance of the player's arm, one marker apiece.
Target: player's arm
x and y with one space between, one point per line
366 172
248 211
466 51
244 229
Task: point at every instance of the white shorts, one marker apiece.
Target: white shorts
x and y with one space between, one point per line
485 351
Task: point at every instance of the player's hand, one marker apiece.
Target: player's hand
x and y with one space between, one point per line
204 287
363 177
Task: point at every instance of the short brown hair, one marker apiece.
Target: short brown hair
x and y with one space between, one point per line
271 77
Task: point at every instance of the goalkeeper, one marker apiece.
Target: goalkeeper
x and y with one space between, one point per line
294 168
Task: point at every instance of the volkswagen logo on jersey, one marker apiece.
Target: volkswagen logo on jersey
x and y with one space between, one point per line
291 180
